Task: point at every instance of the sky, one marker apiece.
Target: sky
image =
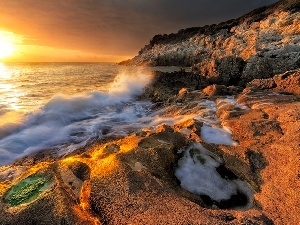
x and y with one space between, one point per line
104 30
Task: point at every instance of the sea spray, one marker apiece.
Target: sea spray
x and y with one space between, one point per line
66 123
130 85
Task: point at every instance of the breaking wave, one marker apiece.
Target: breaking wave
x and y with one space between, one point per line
67 123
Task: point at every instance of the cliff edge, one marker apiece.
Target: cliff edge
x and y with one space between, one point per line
259 44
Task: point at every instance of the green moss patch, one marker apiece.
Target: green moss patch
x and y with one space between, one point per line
27 190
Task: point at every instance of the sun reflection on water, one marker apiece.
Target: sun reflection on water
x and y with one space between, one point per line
9 93
4 72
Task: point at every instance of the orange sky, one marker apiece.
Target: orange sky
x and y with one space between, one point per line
24 52
104 30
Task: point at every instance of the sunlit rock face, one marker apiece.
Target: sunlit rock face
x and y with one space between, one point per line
288 82
260 44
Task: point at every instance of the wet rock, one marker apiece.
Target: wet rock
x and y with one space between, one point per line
234 90
131 180
51 206
202 173
214 90
165 87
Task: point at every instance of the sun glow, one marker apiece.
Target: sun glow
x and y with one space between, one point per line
6 46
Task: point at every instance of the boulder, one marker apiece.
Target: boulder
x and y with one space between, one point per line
288 82
226 70
214 90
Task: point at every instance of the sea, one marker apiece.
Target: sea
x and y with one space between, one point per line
65 106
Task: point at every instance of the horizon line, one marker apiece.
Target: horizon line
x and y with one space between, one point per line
60 62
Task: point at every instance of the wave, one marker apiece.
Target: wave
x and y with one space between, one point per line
67 123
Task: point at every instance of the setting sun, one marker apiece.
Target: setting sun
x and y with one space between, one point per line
6 47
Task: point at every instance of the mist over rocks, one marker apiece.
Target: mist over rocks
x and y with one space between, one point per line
257 45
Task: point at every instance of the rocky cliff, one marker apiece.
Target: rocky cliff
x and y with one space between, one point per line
259 44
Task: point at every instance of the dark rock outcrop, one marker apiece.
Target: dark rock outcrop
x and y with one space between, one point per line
226 70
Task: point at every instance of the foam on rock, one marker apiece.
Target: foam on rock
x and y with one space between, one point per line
217 135
202 173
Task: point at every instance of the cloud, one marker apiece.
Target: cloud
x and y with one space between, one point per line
113 27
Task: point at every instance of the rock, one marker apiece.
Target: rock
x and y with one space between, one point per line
80 170
27 189
182 92
52 205
268 137
234 90
213 90
262 83
167 88
226 110
252 141
226 70
257 67
288 82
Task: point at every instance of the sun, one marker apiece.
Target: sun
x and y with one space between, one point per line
6 47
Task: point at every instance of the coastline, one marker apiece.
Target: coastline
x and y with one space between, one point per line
131 179
215 145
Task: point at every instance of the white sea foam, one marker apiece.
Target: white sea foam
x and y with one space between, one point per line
157 119
232 101
205 111
197 173
66 123
213 131
217 135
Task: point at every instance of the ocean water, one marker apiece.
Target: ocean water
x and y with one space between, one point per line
64 106
28 86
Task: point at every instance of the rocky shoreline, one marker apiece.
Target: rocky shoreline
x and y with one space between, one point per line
132 180
223 148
